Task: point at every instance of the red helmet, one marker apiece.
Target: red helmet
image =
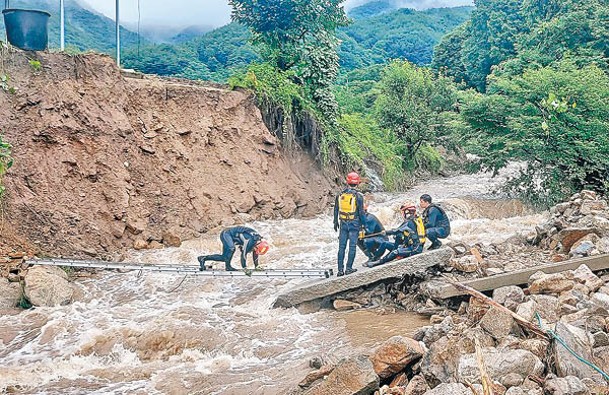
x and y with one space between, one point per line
353 178
262 247
408 208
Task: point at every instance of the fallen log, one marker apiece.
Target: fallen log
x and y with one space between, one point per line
486 300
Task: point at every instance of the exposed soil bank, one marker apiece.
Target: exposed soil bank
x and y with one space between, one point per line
104 163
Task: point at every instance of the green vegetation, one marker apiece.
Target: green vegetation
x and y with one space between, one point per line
35 64
543 73
6 161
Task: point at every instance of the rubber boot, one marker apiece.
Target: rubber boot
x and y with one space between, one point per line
435 245
349 271
229 268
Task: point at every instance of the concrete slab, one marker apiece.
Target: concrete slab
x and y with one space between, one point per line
438 289
363 277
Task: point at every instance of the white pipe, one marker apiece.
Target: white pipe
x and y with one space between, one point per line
118 36
61 26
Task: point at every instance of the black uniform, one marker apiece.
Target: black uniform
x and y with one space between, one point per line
242 236
407 243
437 225
351 220
373 247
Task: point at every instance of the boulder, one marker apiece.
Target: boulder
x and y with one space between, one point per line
548 307
344 305
394 355
541 282
600 339
10 294
593 207
515 391
450 389
511 380
499 363
600 300
584 275
497 323
417 386
171 239
527 310
601 358
566 386
401 380
568 237
353 375
47 286
316 375
467 264
566 363
510 296
539 347
585 246
140 244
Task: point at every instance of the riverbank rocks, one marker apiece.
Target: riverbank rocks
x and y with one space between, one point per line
394 355
566 363
353 375
47 286
450 389
499 364
566 386
10 294
510 296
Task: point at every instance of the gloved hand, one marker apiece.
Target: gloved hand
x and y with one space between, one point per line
362 233
336 226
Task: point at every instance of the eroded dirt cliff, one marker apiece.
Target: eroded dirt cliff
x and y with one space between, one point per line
103 162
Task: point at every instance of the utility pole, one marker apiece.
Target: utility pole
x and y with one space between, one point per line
61 25
118 36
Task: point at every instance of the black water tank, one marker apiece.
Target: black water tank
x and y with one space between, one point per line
27 29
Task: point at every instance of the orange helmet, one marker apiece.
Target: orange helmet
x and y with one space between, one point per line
262 247
353 178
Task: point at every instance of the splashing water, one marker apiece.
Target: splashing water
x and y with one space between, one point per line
131 334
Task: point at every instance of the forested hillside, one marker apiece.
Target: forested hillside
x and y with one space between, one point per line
403 34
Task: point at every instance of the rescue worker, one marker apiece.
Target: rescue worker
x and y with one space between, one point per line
350 217
407 241
437 224
247 239
373 247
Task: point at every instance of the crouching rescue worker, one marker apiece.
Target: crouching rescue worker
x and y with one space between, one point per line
407 240
350 217
372 241
437 224
247 239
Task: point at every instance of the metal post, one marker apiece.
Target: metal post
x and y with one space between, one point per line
61 25
7 4
118 36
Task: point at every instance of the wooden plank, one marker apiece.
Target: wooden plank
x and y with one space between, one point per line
442 290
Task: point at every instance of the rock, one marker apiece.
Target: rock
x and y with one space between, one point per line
584 246
601 300
585 276
601 357
417 386
450 389
344 305
499 363
515 391
394 355
440 363
527 310
170 239
548 307
155 245
47 286
549 283
10 294
592 207
568 237
353 375
497 323
401 380
140 244
316 363
476 309
539 347
511 380
510 296
566 386
467 264
571 297
595 388
316 375
566 363
600 339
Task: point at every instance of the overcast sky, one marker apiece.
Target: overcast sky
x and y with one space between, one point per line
209 12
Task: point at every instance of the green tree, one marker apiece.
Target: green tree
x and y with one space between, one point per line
554 119
414 105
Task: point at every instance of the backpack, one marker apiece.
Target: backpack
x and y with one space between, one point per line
420 229
347 206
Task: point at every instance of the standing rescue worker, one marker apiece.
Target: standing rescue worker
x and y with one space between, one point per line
407 240
247 239
350 217
437 224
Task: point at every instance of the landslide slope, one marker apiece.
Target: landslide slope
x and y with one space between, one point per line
103 161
